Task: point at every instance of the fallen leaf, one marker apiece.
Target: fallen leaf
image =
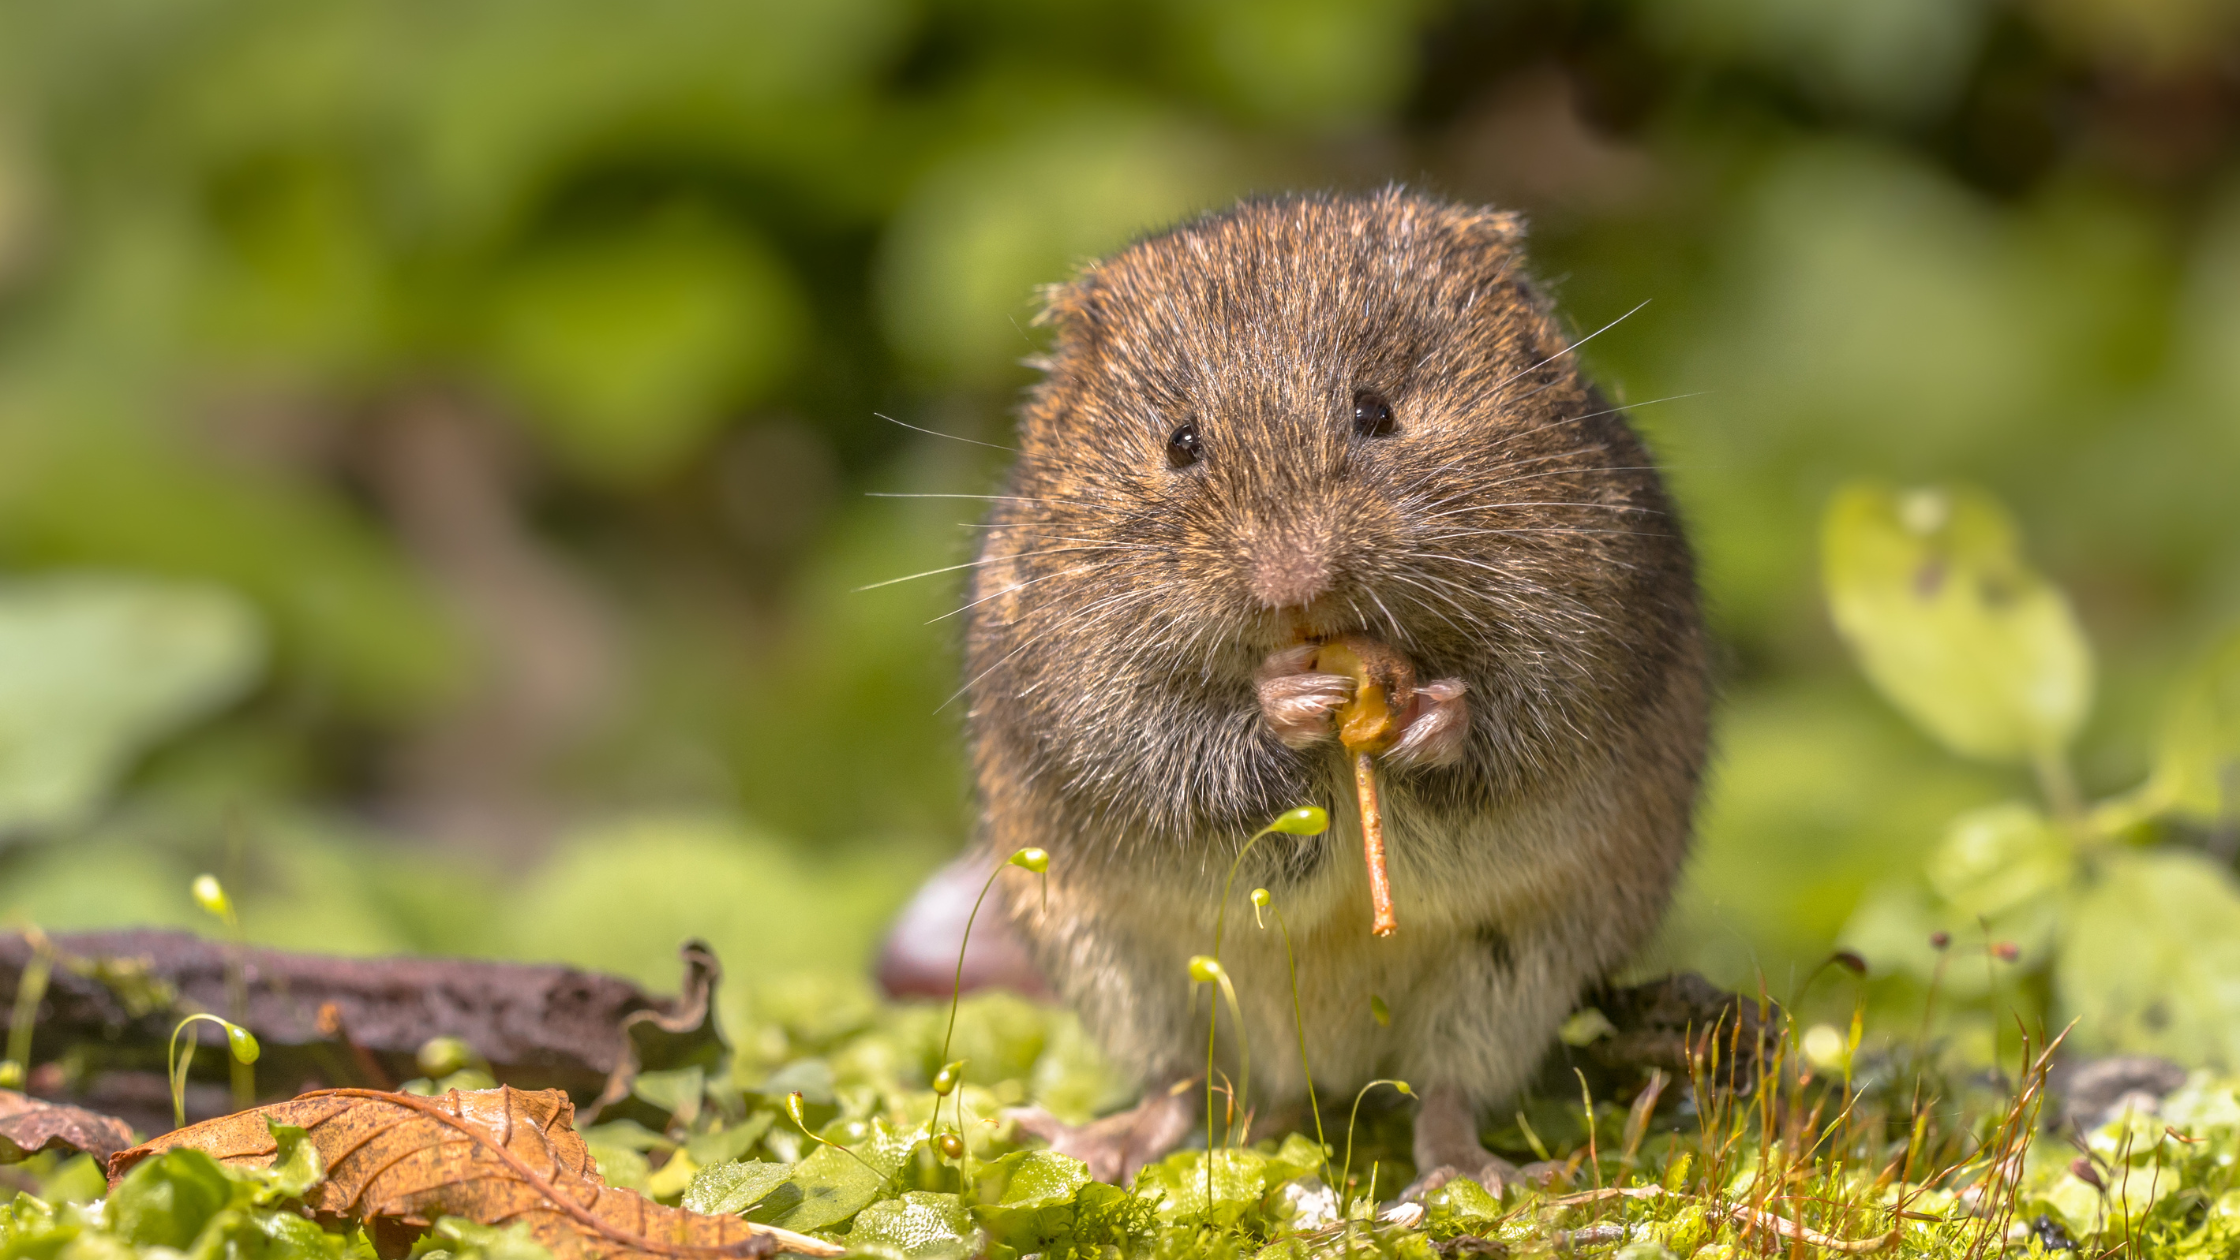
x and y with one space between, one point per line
497 1156
30 1125
682 1037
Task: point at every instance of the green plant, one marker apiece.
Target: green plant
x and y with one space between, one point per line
1262 899
951 1145
211 896
2122 912
1353 1118
794 1113
240 1043
31 986
1305 820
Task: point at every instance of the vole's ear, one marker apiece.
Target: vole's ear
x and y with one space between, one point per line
1068 306
1494 236
1075 309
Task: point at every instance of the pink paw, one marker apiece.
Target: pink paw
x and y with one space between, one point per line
1436 726
1299 705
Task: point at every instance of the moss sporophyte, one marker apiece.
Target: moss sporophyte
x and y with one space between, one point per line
241 1044
951 1145
1305 820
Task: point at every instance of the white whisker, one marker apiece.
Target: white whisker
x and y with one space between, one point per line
1554 503
951 436
989 498
971 564
1573 346
1020 586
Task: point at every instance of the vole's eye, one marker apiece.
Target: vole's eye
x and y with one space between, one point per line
1184 447
1372 415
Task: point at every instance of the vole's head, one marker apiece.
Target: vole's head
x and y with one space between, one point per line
1308 416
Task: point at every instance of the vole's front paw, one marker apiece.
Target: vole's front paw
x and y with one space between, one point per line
1300 706
1437 724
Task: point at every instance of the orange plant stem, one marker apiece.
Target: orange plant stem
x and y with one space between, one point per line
1383 922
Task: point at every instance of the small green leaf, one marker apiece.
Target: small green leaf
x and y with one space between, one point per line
1176 1187
834 1184
441 1056
734 1187
678 1091
619 1166
917 1226
296 1168
1930 589
629 1135
1585 1027
810 1078
462 1239
1026 1198
828 1187
165 1201
1461 1206
1297 1156
2197 769
1108 1216
719 1146
1995 859
2151 959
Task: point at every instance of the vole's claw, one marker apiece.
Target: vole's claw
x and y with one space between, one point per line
1436 726
1492 1172
1300 706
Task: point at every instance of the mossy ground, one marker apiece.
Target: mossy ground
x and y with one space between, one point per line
1774 1157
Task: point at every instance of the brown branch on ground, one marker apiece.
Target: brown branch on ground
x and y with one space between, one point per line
1665 1022
115 997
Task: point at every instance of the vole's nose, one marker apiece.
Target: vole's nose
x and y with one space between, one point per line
1288 571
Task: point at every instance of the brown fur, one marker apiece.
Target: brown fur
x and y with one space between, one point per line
1509 534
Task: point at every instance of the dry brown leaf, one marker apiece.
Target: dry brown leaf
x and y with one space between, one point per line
497 1156
31 1125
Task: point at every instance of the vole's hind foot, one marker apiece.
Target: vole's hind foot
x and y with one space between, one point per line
1300 705
1446 1147
1118 1146
1489 1170
1435 727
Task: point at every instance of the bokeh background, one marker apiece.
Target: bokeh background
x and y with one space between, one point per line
438 441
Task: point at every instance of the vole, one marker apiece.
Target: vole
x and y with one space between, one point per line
1293 420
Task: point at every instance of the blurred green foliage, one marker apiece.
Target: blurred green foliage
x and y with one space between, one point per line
2122 916
490 391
